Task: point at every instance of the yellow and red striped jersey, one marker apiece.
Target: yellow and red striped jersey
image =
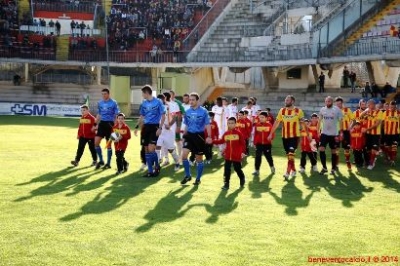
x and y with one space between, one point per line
370 118
391 122
290 119
348 116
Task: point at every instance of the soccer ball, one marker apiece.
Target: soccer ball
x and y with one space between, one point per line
115 136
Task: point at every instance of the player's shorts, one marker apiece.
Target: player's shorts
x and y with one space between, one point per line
149 134
104 129
346 139
329 140
372 141
290 144
389 140
195 142
166 139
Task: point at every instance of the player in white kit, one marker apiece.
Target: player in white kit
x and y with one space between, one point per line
167 137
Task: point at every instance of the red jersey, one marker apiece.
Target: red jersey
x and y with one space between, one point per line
244 126
214 130
235 145
305 139
261 133
357 114
314 132
86 122
270 118
125 132
256 120
357 140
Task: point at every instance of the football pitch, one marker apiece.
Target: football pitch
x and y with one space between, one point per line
56 214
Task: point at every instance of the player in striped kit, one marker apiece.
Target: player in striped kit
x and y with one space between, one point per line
344 137
372 129
391 124
291 118
362 105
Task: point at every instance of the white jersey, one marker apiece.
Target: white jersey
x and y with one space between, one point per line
254 109
330 118
186 106
171 110
250 110
232 111
220 118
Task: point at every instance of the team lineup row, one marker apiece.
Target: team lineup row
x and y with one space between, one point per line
169 126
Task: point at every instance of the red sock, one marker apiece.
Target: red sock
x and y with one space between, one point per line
347 155
289 167
372 159
393 153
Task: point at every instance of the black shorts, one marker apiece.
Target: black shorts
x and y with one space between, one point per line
346 139
372 141
328 140
390 140
149 134
104 129
290 143
195 142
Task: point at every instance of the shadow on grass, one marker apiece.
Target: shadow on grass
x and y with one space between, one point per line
346 189
223 204
292 198
121 190
168 209
56 184
385 177
257 187
53 176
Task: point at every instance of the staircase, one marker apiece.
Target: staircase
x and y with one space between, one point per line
62 48
23 8
361 28
224 39
55 93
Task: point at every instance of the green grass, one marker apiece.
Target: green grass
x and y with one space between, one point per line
53 214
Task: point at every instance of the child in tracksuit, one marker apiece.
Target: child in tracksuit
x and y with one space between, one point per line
234 152
244 125
357 143
309 136
85 135
262 129
214 135
121 143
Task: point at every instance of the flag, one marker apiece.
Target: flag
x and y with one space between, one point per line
87 100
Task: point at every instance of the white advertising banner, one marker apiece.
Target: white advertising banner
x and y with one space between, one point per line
39 109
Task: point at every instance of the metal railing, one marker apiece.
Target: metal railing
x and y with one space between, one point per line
375 48
386 46
350 26
28 53
77 6
201 28
63 78
128 56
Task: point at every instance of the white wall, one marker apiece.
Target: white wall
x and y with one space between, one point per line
291 84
